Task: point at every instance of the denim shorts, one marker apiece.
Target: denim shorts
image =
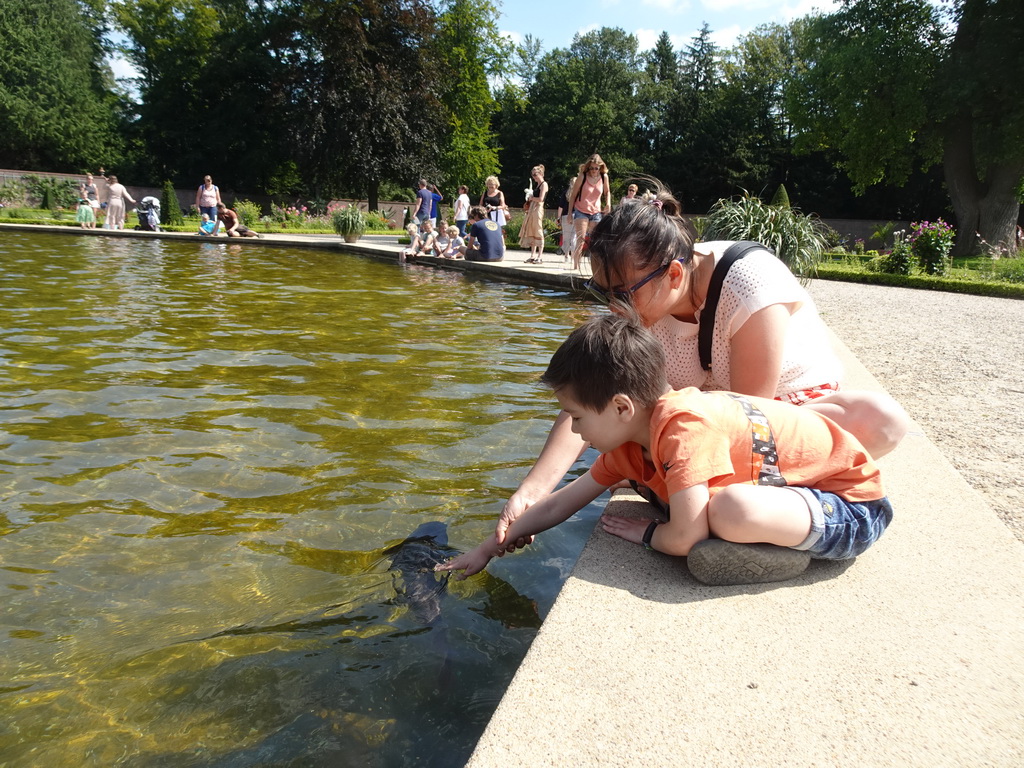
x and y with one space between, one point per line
593 217
842 529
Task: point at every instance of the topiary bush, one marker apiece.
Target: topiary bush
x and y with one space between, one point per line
170 210
798 240
781 197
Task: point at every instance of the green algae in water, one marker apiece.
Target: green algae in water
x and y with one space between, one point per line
205 450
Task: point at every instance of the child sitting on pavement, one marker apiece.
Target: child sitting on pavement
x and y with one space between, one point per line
420 243
208 227
442 242
755 487
455 242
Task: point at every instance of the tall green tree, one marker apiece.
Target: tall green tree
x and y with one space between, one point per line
583 100
470 50
892 87
365 101
57 110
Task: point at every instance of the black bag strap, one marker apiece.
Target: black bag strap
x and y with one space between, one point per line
732 254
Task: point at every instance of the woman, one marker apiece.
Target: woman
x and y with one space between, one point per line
768 338
493 201
589 200
532 233
207 197
116 196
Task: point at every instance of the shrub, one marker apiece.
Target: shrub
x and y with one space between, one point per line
900 260
349 222
931 243
798 240
249 212
169 208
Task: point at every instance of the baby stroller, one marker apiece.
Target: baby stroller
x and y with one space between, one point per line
148 210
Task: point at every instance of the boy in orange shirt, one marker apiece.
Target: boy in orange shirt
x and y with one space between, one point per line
754 487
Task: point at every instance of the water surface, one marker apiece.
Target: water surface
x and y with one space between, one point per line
205 449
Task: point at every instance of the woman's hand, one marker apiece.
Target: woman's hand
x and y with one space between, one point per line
517 503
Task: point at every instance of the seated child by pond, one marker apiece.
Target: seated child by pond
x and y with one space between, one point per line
420 243
85 214
755 487
208 226
455 244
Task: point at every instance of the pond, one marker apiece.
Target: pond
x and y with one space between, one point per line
206 450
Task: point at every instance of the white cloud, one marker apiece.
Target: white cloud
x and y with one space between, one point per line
669 6
646 39
806 8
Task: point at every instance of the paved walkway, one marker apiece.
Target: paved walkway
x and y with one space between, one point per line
912 655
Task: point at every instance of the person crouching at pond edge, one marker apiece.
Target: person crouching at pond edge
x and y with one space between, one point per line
85 215
753 488
484 241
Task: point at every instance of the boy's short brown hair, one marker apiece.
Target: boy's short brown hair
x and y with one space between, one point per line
606 356
478 212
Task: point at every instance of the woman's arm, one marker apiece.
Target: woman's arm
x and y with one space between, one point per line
199 194
218 194
756 349
607 195
560 451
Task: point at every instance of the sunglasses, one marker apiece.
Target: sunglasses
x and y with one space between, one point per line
607 296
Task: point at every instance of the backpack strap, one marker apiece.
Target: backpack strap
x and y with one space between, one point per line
732 254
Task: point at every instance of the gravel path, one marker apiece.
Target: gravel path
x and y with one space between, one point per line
956 363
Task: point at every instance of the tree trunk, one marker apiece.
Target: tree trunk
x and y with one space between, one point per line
372 194
1000 207
962 182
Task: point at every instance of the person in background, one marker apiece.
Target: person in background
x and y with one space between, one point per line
85 215
208 197
116 197
630 195
442 242
423 202
590 199
531 235
484 240
565 222
209 227
232 224
462 209
89 191
455 243
493 202
435 200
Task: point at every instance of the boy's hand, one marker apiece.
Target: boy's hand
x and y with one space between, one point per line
470 563
626 528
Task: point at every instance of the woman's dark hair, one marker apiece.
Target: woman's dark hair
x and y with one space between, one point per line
642 234
606 356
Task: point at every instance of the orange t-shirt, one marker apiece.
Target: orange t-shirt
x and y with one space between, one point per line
705 437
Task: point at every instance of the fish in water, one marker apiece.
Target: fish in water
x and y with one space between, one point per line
414 560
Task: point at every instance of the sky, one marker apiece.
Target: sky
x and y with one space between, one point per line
556 23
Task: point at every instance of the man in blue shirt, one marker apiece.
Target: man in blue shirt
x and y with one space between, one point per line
484 240
424 200
435 198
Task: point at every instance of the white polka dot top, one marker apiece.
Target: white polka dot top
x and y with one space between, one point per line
756 281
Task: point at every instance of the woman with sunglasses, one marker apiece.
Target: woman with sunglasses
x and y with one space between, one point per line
768 339
589 200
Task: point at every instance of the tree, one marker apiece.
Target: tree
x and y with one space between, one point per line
470 49
584 100
891 88
56 109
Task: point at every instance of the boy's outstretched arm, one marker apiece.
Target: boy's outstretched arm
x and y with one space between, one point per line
545 514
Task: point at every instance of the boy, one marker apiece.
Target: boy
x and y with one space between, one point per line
208 227
774 483
484 241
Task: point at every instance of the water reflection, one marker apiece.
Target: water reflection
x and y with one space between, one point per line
205 451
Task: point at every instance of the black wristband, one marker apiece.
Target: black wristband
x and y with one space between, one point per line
646 541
